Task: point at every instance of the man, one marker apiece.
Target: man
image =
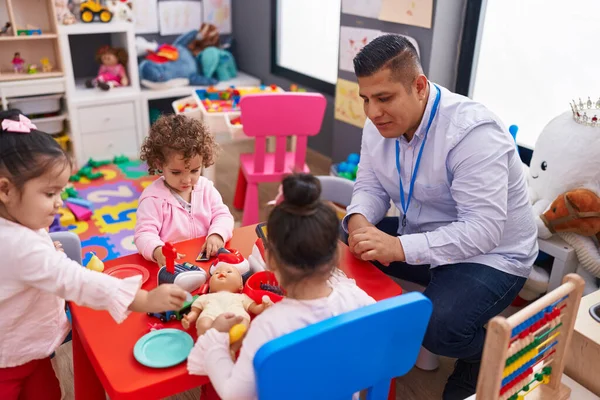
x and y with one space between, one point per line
467 230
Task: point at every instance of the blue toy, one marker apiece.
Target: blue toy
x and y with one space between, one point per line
348 169
186 67
344 365
513 129
217 63
353 158
344 167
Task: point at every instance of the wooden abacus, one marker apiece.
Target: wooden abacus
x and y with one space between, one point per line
524 354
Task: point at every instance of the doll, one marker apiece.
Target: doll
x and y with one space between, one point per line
18 63
112 69
225 295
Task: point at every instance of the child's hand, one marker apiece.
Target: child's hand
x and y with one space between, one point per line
225 321
58 246
160 259
213 243
165 297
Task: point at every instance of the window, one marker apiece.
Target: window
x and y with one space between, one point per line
305 42
531 58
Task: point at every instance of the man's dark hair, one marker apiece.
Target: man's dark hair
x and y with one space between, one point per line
389 51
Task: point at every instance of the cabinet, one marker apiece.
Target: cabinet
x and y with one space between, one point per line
103 123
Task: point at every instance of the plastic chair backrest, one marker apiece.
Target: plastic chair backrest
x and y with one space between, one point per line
362 349
335 189
71 244
282 115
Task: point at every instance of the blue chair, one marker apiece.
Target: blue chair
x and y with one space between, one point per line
335 358
72 246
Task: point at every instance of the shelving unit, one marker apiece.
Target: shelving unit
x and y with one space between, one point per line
34 14
103 123
29 14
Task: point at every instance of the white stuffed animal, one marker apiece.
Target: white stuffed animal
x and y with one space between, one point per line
567 157
121 10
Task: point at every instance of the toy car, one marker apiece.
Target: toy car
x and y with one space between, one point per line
175 315
91 9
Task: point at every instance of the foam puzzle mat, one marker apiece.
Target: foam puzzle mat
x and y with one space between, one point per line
109 232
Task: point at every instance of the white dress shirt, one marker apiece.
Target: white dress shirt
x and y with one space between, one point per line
470 200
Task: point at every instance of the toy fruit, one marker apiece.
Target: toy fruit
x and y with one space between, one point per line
95 264
237 332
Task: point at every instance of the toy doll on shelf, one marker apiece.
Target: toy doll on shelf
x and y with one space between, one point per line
225 296
112 71
18 63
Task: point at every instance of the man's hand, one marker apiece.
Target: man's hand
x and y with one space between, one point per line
356 221
371 244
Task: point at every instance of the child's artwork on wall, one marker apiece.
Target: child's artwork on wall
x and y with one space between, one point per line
145 16
218 13
351 41
348 104
364 8
177 17
408 12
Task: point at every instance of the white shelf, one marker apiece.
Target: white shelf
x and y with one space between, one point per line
28 37
11 76
242 79
94 28
83 94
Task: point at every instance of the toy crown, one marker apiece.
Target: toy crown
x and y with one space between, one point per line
581 110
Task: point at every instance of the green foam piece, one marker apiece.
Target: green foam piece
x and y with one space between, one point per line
98 163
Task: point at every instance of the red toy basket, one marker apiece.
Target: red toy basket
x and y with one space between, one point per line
253 290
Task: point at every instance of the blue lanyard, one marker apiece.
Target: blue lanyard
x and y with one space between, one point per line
406 203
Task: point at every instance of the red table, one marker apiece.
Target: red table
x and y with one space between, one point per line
103 350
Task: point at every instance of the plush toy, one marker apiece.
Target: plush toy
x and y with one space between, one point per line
175 65
63 13
165 73
207 36
121 10
575 217
565 159
112 73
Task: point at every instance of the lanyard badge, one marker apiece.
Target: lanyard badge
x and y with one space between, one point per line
406 203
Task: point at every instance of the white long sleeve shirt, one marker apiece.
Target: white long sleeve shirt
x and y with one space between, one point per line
470 200
210 356
35 280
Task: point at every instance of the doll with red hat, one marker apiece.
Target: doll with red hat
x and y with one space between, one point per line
234 258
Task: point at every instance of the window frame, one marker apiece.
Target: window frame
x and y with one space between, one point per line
296 77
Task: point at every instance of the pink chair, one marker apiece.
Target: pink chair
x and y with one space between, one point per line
281 115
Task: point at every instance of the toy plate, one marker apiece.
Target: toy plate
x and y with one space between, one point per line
127 270
163 348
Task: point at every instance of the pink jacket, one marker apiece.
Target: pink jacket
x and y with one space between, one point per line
161 218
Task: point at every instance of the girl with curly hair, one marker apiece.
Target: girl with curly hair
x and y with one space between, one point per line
181 204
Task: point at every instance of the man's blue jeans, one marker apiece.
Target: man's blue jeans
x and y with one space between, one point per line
465 296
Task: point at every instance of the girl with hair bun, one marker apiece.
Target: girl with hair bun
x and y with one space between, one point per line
302 251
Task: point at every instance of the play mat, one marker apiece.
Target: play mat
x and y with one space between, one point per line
114 198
